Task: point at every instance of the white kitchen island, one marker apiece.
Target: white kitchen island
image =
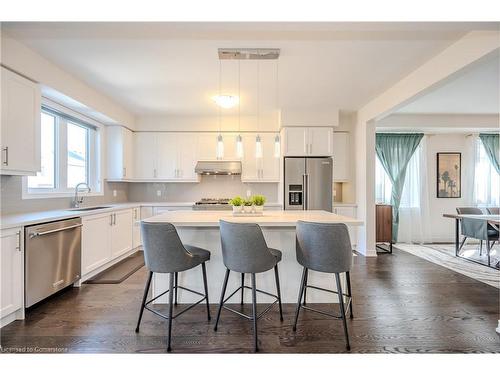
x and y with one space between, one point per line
201 228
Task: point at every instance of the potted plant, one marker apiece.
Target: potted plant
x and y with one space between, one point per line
247 206
237 203
258 202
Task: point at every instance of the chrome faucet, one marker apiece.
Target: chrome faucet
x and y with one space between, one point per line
79 200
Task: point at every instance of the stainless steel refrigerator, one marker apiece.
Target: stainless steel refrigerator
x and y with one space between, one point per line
308 183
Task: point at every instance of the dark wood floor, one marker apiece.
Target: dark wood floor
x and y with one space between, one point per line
402 304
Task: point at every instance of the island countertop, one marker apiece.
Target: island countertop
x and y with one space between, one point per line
268 219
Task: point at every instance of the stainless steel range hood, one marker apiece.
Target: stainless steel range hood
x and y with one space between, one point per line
218 167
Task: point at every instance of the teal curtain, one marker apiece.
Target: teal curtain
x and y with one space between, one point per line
394 152
491 143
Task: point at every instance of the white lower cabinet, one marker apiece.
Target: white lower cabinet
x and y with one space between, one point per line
105 237
96 241
136 232
12 275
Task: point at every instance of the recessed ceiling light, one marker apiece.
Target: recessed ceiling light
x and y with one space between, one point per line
226 101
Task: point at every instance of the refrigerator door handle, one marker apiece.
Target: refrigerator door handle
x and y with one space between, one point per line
305 190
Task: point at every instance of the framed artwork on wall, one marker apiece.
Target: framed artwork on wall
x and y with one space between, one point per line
449 175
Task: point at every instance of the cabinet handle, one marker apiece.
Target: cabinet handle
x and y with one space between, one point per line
114 219
6 159
18 244
111 219
135 214
124 172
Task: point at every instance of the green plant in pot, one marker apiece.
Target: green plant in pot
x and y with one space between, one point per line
237 203
247 205
258 202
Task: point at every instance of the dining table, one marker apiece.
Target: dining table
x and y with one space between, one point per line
493 220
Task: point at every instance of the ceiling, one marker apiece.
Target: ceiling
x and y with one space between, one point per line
173 68
476 90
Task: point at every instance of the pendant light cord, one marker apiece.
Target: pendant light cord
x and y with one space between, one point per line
220 92
239 95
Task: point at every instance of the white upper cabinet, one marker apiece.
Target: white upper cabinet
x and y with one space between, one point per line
341 167
166 156
264 169
187 156
307 141
320 141
20 125
120 153
145 156
295 141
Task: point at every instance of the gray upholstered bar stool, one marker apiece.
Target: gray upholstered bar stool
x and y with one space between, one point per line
325 248
244 250
165 253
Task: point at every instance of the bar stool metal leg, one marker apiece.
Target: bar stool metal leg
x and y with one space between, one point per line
242 287
305 288
223 292
204 270
146 290
342 310
254 305
348 277
301 292
175 287
170 310
276 276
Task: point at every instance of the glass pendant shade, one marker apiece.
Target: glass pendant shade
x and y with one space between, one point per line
258 147
220 147
239 147
277 147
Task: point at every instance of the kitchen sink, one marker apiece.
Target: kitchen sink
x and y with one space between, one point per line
89 208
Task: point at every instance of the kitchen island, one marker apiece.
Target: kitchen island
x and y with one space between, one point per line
201 228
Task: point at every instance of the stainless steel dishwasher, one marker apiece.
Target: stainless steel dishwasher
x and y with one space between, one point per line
53 258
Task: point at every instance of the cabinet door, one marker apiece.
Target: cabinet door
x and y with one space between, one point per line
20 119
136 233
145 155
295 142
128 153
270 165
11 271
167 155
230 146
187 157
207 146
121 232
340 156
250 166
320 141
96 245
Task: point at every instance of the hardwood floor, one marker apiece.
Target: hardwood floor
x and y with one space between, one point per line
402 304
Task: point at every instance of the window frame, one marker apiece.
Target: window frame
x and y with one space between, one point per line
95 151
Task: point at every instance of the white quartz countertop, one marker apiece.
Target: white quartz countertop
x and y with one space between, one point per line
30 218
268 219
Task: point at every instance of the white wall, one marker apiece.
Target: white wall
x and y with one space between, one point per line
443 229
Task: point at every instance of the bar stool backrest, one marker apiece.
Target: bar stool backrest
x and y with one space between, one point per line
324 247
244 248
163 249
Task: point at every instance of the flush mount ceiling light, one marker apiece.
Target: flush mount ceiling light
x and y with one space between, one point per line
226 101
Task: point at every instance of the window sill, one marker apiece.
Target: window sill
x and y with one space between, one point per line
60 195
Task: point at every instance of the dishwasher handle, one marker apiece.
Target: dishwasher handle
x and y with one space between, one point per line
37 234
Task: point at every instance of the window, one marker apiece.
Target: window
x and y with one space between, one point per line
486 179
69 155
411 190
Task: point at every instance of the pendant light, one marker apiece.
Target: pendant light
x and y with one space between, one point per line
277 141
219 150
239 140
258 140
